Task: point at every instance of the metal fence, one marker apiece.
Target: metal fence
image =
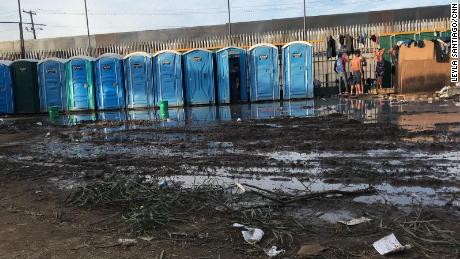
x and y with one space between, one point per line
323 68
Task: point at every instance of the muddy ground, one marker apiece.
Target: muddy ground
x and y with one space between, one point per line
73 191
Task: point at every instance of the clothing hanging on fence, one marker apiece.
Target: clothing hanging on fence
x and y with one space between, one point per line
420 44
442 50
342 40
374 38
362 38
349 44
331 49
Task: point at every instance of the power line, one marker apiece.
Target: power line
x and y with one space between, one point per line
31 13
215 10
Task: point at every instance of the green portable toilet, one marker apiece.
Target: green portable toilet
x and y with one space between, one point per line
80 84
25 86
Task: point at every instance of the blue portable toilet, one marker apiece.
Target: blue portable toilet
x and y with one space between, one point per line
52 84
297 70
80 84
231 75
167 73
6 87
263 73
199 77
108 74
138 80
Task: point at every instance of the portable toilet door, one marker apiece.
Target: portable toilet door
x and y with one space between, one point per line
6 88
297 70
108 74
199 77
231 75
138 80
80 84
167 67
52 85
264 73
25 86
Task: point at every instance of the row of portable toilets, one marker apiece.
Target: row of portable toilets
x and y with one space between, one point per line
140 80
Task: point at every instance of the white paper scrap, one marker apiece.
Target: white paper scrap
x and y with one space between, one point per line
355 222
389 244
274 251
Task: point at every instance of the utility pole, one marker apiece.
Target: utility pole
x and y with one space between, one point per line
32 22
229 24
304 20
21 32
88 51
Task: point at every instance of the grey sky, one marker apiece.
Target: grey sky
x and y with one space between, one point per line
66 17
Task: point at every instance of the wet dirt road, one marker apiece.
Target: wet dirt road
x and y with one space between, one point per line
408 152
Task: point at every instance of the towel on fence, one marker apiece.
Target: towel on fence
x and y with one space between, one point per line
342 40
349 44
331 50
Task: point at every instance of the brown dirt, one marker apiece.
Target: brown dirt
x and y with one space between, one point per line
36 222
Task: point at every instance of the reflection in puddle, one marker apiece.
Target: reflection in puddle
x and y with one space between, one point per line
442 116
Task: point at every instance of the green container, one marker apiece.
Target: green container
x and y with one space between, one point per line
53 113
164 114
25 86
164 105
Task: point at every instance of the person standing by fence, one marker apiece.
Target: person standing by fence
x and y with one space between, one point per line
341 70
357 68
380 67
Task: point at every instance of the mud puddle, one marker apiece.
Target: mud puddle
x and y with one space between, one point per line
415 115
266 179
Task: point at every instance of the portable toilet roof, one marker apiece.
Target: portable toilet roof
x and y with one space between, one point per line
60 60
27 60
81 57
166 51
194 50
297 42
139 53
230 47
262 45
6 62
110 55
